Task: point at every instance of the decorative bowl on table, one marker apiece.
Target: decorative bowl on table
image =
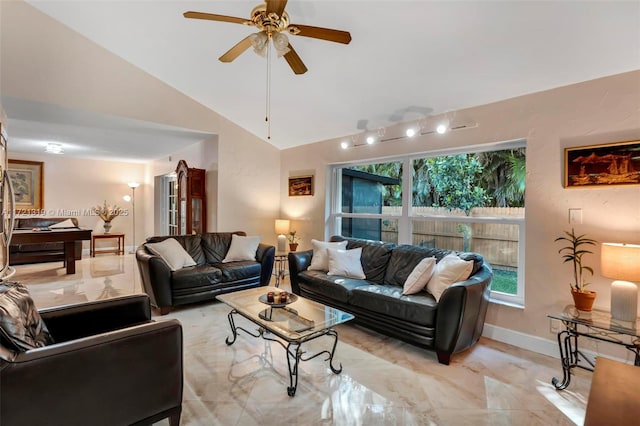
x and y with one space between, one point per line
275 299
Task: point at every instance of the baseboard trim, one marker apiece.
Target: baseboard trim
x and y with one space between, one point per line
521 340
535 343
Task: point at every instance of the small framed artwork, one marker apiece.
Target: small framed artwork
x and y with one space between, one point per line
300 185
602 165
28 186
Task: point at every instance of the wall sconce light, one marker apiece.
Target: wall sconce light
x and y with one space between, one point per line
622 263
370 139
344 144
411 132
282 228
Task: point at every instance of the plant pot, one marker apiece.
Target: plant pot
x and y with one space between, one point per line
293 247
583 300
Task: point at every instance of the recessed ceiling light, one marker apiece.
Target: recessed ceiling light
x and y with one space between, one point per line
54 148
411 132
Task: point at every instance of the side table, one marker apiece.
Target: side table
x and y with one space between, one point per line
597 325
119 237
280 266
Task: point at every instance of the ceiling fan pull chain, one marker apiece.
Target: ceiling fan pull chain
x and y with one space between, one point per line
268 106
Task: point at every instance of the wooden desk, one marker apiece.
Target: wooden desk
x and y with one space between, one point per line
119 237
67 236
614 397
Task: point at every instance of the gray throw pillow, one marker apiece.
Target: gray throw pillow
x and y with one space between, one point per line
21 327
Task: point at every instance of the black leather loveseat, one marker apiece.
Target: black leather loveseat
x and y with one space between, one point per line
41 252
450 325
209 276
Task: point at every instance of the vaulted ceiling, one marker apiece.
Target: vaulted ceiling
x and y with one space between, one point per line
407 59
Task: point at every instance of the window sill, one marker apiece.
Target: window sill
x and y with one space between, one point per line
506 303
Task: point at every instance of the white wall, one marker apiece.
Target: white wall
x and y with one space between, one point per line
72 184
598 111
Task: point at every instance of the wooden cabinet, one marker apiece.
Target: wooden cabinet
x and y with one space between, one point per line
192 199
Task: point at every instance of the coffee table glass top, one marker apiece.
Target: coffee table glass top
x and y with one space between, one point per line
296 321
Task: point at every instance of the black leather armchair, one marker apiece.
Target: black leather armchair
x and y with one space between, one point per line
111 365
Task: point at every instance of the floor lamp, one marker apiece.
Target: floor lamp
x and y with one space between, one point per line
133 186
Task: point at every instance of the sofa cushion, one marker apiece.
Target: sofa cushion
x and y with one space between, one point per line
191 243
21 327
333 287
420 276
404 259
195 276
346 263
239 271
242 248
172 252
449 270
215 245
320 259
375 256
388 300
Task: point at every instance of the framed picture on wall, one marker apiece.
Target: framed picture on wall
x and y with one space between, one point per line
602 165
28 185
300 185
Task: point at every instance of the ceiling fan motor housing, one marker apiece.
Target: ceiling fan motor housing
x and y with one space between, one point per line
269 22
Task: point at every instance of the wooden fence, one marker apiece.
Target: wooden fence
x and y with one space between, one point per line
497 242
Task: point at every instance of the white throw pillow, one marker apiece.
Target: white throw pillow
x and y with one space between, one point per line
172 253
419 277
242 248
346 263
449 270
64 224
320 258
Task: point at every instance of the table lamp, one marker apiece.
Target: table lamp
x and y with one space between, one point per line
622 263
282 229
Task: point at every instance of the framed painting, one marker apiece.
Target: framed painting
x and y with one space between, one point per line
300 185
28 186
602 165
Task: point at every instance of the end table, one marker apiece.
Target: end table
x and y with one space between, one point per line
119 250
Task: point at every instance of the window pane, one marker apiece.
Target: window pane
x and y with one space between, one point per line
366 189
496 242
466 181
371 229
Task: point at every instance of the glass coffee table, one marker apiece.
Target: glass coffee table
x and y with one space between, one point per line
294 323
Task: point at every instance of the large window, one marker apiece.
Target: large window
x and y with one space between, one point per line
465 201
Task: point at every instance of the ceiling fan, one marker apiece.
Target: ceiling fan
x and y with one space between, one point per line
273 23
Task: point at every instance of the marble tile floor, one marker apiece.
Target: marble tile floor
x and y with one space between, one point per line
384 381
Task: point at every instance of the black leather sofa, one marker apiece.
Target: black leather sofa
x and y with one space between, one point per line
208 278
40 252
449 326
109 364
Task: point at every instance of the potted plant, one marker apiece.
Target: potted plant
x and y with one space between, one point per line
293 240
573 252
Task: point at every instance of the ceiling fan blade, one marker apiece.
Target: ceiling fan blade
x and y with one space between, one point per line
276 6
322 33
236 50
213 17
294 61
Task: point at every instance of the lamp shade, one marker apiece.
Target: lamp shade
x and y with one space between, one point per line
620 261
282 226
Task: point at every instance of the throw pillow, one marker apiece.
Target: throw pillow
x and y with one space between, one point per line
242 248
419 277
21 327
320 258
172 252
345 263
64 224
449 270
